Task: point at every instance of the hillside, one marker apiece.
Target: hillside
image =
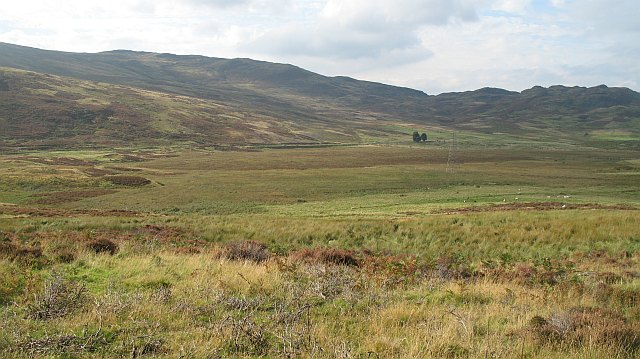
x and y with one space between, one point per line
46 110
122 97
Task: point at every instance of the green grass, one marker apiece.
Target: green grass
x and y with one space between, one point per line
438 277
386 180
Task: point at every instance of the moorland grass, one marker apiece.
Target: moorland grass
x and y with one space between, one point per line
324 252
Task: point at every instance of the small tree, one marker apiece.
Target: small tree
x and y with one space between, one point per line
416 136
423 137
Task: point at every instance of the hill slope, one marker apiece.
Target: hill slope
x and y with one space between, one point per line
125 96
47 110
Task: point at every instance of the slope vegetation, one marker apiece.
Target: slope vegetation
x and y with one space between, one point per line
127 97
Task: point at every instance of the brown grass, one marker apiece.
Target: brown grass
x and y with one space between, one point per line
587 326
28 256
102 245
326 256
69 196
130 181
246 250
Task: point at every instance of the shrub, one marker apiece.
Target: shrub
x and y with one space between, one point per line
64 343
8 250
246 250
448 268
326 256
147 345
582 326
102 245
29 256
65 255
246 336
58 298
62 252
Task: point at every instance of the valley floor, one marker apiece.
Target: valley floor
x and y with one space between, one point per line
336 252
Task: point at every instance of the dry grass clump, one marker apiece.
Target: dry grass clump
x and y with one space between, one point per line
326 256
285 333
587 326
61 251
58 298
609 294
65 255
102 245
246 336
11 282
63 344
143 345
29 256
253 251
451 268
131 181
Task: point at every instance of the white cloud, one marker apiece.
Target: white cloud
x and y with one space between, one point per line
363 30
512 6
433 45
410 13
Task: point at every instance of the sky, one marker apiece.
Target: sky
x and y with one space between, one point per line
432 45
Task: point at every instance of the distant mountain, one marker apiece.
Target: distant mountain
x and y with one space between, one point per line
121 97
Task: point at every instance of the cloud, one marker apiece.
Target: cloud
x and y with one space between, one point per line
364 29
380 14
607 16
512 6
218 3
433 45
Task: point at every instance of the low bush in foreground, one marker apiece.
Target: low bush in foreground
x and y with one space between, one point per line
102 245
326 256
246 251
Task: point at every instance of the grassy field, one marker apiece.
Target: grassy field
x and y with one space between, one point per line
517 250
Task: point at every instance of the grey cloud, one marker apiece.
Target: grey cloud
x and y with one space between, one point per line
365 29
331 42
613 29
608 16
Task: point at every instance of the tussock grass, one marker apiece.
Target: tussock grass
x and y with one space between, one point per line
281 307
